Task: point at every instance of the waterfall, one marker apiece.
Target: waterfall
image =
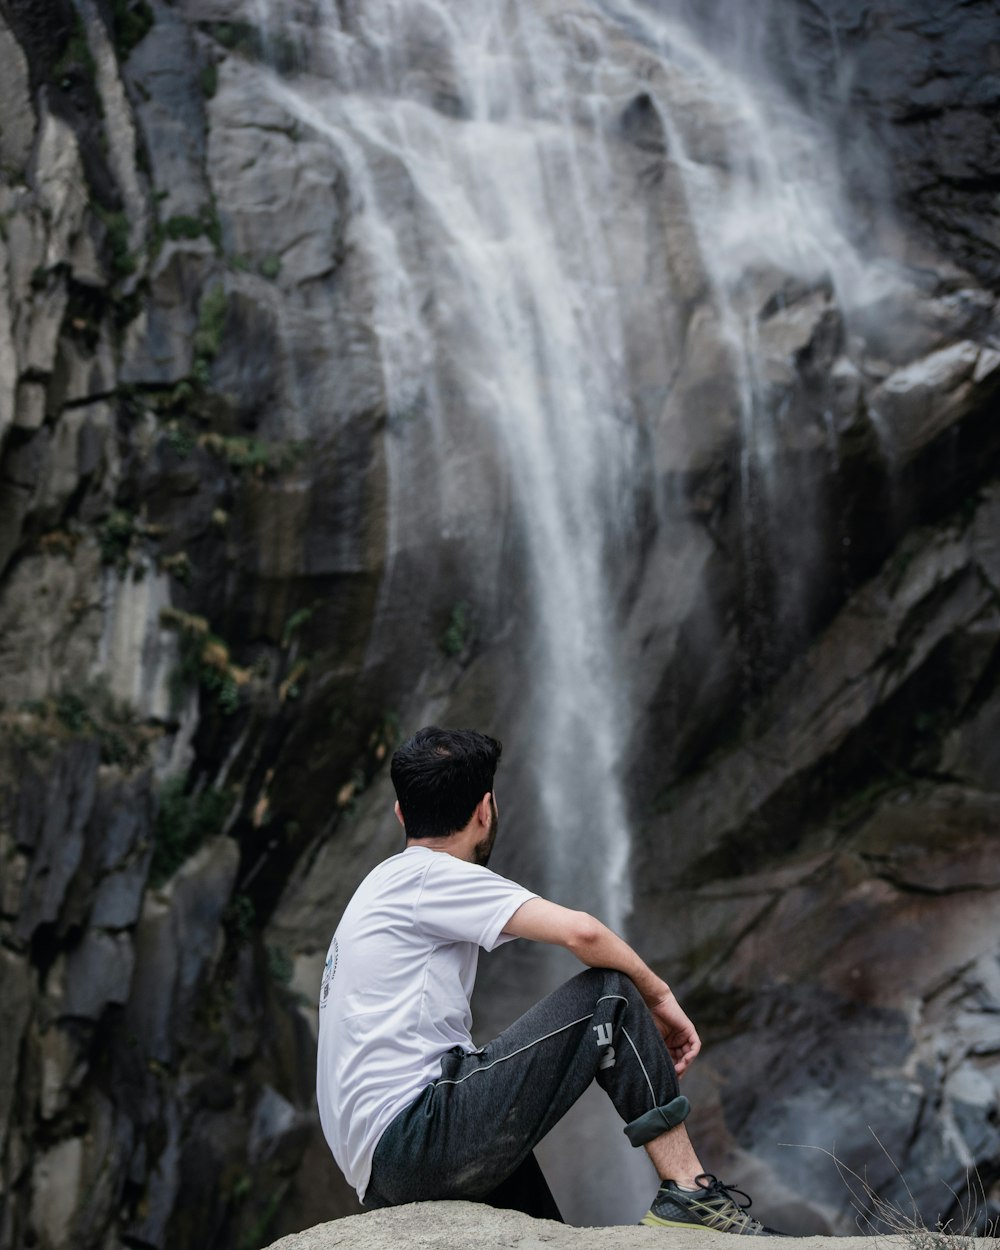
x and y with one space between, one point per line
540 192
497 321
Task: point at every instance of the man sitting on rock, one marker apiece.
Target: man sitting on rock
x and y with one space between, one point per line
411 1108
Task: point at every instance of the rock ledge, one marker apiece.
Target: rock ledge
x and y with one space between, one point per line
471 1226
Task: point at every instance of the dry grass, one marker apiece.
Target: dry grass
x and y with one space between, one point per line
969 1228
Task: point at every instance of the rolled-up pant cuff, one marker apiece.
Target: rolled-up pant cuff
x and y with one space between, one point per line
652 1123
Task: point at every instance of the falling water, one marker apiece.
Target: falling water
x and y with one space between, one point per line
481 144
525 329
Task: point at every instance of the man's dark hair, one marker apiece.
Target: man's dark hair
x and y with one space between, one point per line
440 775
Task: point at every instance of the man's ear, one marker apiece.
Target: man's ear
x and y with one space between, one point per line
399 814
484 809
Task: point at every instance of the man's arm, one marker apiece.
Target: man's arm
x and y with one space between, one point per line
597 946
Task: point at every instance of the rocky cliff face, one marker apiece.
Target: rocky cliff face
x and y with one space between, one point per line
216 616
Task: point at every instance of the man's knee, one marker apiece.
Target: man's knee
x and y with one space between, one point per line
604 982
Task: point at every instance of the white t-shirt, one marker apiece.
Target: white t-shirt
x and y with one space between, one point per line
395 992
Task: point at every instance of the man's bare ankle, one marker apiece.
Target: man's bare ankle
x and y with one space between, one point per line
687 1183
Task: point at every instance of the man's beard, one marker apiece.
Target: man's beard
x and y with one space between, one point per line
482 850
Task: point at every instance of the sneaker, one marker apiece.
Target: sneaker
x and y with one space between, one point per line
712 1205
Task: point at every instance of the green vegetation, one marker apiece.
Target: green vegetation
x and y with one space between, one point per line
116 536
295 623
291 687
88 712
204 661
178 565
249 455
183 226
116 229
270 267
236 36
72 711
279 964
115 539
208 336
458 632
209 81
239 918
246 40
132 19
179 439
75 58
183 822
257 1234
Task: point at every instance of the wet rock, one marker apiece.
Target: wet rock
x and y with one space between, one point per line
922 399
162 1186
168 73
54 830
177 943
30 405
701 416
280 189
63 1058
56 173
82 452
840 682
52 604
9 409
40 334
18 112
118 125
56 1184
98 973
17 991
81 373
274 1117
159 342
138 651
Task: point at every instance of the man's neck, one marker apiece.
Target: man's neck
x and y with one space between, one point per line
461 845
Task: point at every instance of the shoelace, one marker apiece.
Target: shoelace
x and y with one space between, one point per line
721 1187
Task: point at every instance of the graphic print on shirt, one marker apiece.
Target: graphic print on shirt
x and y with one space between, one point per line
603 1032
329 972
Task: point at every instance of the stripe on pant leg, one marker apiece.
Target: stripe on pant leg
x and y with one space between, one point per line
641 1065
520 1051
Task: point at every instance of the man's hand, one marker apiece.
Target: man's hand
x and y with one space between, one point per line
677 1031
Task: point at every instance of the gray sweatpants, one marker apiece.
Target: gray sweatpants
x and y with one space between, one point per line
479 1122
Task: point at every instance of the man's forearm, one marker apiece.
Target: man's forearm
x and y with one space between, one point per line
592 942
600 947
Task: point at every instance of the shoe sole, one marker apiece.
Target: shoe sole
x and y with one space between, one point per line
656 1221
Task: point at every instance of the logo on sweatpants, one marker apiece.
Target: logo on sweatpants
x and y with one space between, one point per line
603 1032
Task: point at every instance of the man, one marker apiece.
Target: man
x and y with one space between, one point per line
411 1108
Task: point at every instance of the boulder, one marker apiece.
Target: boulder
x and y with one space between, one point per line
460 1225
